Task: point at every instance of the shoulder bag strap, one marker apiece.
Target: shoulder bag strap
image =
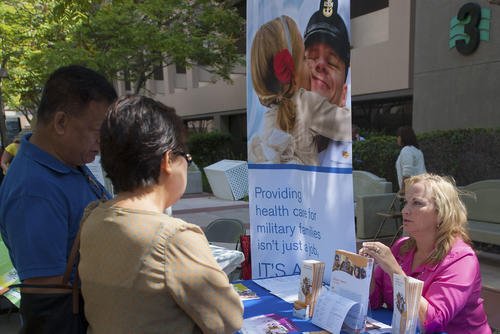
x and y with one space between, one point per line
74 259
38 286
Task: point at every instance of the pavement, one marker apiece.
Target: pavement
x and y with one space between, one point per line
203 208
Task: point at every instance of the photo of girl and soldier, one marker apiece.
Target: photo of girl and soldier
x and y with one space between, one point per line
301 80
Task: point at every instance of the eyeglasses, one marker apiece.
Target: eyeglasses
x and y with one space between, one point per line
187 156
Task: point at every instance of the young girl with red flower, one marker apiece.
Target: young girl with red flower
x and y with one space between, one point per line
295 115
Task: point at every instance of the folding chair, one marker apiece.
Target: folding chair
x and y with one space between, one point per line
393 213
226 230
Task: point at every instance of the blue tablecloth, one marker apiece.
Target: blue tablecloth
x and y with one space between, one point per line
268 303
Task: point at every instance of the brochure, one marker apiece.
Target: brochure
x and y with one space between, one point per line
311 278
244 292
376 327
268 324
331 310
407 293
350 278
8 276
284 287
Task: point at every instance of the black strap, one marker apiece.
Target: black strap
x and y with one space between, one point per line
38 286
97 188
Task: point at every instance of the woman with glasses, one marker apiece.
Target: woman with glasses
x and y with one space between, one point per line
141 270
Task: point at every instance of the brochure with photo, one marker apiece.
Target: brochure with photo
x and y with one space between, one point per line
268 324
311 278
350 278
244 292
407 293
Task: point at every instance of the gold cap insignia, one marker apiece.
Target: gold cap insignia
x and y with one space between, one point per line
328 8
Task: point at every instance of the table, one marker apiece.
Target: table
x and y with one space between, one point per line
227 259
268 303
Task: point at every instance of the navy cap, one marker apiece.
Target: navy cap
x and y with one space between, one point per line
328 27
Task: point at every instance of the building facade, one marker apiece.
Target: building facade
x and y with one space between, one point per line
405 70
452 89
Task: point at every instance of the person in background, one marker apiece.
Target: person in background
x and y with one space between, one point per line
143 271
9 153
327 54
48 186
410 161
438 252
355 134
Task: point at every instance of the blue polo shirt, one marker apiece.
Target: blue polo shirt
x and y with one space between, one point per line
41 203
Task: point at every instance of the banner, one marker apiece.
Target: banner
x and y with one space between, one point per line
299 134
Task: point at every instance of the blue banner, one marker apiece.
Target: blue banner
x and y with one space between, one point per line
299 133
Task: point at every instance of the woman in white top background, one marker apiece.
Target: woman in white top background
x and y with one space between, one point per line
410 161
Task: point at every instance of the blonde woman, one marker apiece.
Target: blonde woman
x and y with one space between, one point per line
438 251
295 115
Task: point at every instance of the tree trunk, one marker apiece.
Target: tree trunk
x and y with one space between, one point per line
3 127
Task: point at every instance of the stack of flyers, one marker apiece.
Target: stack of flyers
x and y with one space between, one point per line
311 278
407 293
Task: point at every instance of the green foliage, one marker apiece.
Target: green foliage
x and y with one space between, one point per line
38 36
134 36
29 32
469 155
377 155
20 27
208 148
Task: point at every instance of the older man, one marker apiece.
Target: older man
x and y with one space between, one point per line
327 53
43 196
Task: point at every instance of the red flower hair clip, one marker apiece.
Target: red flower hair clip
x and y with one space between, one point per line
283 66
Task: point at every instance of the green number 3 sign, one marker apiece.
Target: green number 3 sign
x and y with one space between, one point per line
472 28
469 27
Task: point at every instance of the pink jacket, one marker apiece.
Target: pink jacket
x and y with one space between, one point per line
452 288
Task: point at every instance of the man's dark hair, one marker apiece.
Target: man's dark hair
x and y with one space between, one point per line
71 89
408 137
134 137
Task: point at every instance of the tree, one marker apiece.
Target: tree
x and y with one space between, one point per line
115 38
13 39
28 29
132 37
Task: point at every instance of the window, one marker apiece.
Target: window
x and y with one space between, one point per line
180 69
158 71
126 78
362 7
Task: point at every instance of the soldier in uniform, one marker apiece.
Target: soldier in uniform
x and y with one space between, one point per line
327 53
